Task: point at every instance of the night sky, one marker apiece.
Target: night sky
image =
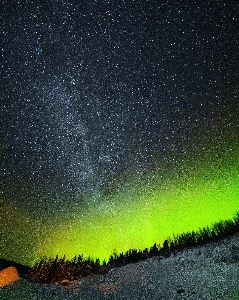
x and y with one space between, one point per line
102 99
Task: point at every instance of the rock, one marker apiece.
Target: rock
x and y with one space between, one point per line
8 275
65 282
180 291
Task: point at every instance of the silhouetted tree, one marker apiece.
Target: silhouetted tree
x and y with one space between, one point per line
153 250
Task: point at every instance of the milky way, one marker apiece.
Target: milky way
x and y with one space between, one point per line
99 97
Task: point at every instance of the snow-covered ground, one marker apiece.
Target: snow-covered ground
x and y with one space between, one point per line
207 272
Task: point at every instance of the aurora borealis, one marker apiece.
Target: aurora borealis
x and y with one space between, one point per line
119 123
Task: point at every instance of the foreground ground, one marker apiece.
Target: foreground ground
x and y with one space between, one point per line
207 272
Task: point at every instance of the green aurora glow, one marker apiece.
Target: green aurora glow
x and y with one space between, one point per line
146 210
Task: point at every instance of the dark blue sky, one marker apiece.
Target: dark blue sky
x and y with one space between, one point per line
94 89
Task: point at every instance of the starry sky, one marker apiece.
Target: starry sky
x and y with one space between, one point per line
97 95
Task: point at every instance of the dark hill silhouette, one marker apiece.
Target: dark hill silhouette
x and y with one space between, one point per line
23 271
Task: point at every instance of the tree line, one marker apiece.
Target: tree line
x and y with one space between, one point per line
48 270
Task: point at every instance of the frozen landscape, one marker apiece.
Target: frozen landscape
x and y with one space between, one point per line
205 272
